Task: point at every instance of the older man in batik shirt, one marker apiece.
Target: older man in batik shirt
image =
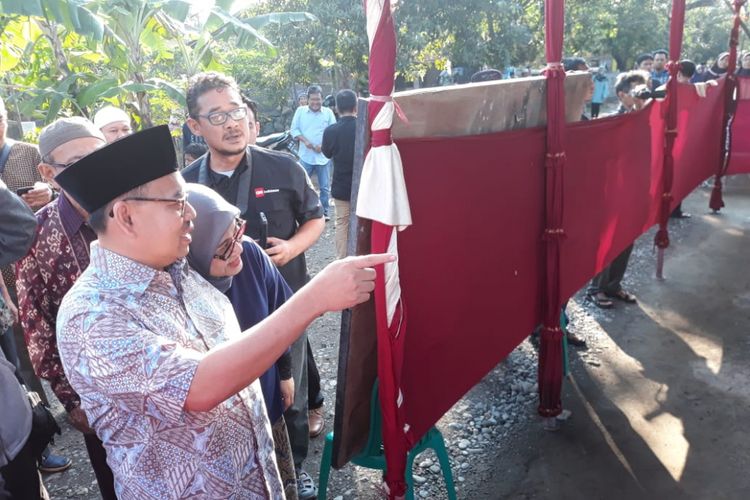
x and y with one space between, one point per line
57 258
166 377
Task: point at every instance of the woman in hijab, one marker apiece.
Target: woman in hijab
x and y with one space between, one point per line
744 64
235 265
718 69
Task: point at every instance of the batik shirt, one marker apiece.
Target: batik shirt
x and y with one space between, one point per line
130 339
57 258
20 171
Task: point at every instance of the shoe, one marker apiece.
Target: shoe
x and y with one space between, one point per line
575 340
316 421
681 215
623 296
326 217
600 300
306 489
54 463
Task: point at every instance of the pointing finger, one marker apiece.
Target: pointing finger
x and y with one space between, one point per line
372 260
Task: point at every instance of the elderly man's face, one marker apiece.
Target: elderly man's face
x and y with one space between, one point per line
163 228
65 154
116 130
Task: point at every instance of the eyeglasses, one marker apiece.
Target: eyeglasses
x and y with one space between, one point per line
61 166
181 202
219 117
225 249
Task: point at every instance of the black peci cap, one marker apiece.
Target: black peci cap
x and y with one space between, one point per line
100 177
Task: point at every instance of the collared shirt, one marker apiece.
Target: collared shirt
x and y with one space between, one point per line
131 338
227 186
311 124
20 171
659 78
58 256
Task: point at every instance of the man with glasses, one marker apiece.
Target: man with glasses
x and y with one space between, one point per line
308 124
257 180
57 258
166 377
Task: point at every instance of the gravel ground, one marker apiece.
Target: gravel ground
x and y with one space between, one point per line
488 432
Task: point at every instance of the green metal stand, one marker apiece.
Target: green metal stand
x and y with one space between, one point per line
372 456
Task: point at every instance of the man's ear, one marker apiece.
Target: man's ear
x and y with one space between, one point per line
48 174
257 128
46 171
194 126
122 217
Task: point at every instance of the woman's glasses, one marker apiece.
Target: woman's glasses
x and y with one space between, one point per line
226 247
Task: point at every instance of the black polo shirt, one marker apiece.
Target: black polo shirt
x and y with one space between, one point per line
279 187
338 144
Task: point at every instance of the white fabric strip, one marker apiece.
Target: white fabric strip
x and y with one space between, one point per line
382 189
374 11
392 282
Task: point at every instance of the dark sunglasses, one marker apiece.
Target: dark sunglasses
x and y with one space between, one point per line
225 249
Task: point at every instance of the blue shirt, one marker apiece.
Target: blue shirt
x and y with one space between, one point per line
256 292
311 124
659 78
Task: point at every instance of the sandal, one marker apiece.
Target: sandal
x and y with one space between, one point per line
623 296
600 300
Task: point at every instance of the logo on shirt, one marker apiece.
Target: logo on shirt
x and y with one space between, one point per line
261 192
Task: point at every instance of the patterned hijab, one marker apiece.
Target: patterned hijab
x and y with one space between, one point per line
214 216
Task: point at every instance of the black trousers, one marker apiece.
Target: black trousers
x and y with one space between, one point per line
21 477
314 394
98 458
609 280
595 106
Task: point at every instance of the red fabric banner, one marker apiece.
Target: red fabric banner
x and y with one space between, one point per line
472 263
739 162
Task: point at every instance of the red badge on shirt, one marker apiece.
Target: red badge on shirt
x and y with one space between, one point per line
260 192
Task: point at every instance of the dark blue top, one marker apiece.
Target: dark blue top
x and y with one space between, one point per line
256 292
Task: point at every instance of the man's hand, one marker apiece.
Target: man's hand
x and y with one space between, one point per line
280 251
317 148
347 282
78 420
287 393
39 196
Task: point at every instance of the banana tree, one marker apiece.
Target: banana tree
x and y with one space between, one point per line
130 38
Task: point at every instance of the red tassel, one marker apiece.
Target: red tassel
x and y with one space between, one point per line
717 202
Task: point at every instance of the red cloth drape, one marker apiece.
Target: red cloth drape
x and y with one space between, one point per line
382 64
472 263
739 160
550 348
730 103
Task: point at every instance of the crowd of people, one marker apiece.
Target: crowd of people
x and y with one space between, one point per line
167 309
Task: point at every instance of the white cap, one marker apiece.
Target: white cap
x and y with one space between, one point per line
110 114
